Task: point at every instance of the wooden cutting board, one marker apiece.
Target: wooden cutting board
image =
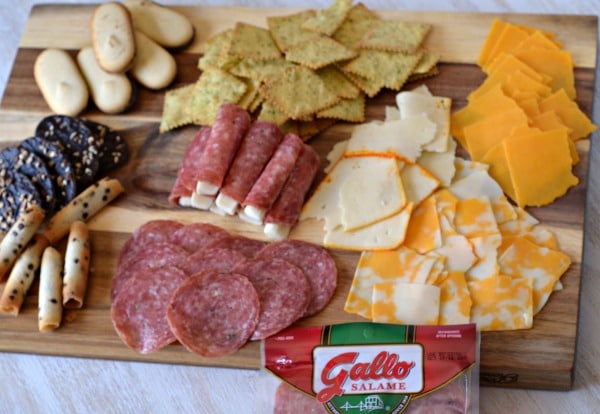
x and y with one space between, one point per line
542 357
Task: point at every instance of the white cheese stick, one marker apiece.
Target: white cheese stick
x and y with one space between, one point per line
22 275
77 265
49 296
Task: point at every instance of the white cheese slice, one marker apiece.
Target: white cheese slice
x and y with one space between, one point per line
276 231
418 183
437 110
440 164
391 113
403 138
406 303
371 192
205 188
253 215
336 153
201 202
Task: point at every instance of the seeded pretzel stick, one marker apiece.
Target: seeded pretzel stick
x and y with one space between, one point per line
82 207
49 296
77 264
22 275
18 236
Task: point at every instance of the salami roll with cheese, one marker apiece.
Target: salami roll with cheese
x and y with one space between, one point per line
219 259
77 266
256 149
283 291
49 296
284 214
185 184
196 236
214 314
267 187
230 126
17 237
139 311
316 263
22 275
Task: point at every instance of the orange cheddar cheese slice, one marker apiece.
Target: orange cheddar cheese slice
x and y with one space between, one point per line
510 36
499 171
568 111
526 156
482 135
496 29
501 303
543 266
555 64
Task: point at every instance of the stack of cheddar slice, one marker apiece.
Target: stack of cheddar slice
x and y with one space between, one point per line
523 119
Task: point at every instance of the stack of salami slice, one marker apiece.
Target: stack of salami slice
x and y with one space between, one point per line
212 290
247 168
62 158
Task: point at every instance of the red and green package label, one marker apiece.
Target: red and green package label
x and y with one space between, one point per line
372 367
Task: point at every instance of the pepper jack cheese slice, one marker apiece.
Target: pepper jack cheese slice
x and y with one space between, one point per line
406 303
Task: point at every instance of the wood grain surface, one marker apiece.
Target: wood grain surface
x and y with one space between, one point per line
542 357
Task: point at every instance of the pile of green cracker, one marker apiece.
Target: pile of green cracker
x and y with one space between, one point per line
305 71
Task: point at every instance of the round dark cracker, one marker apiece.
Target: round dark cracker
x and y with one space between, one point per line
31 165
17 192
113 150
59 165
77 141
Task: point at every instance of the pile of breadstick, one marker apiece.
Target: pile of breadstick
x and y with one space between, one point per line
30 245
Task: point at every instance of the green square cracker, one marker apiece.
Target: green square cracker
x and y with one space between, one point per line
358 22
371 87
287 30
252 42
214 49
270 113
175 108
299 92
338 82
261 70
391 68
251 93
327 21
213 88
319 52
351 110
426 66
395 35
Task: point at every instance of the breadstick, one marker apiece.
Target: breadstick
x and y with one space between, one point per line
49 296
82 207
77 264
22 275
18 236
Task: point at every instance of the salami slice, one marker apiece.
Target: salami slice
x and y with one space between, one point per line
288 400
213 314
139 311
256 149
154 256
196 236
244 245
219 259
284 214
230 126
267 187
151 232
316 263
185 184
283 291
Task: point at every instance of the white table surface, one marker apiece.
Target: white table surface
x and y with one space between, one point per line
38 384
